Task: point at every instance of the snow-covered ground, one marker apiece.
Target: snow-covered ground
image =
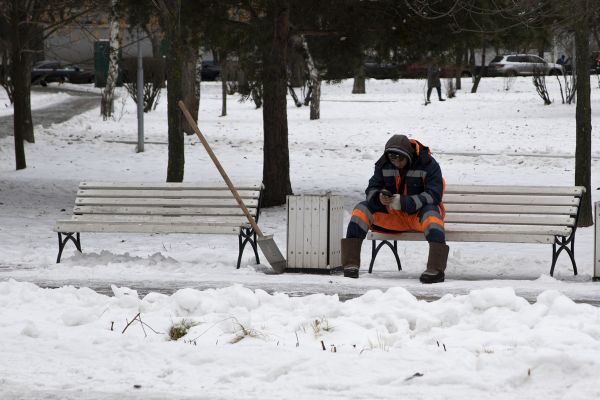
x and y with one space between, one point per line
482 338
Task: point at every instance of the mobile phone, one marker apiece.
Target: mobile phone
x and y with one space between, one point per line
386 193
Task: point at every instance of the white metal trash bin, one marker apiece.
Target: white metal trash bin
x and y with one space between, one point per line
314 233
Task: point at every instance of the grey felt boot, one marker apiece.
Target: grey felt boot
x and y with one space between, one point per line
351 256
436 263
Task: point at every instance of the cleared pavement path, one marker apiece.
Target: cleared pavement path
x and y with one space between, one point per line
56 113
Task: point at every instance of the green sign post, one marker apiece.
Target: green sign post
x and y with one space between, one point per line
101 59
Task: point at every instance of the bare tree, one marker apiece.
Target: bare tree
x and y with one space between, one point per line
583 115
170 16
359 80
5 80
192 74
106 107
28 22
539 81
276 164
570 85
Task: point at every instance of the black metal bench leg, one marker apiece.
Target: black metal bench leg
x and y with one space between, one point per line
247 235
563 244
395 250
62 242
255 247
375 250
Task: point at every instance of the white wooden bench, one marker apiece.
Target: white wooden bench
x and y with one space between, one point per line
510 214
120 207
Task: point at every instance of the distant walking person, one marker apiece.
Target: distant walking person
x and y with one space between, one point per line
433 81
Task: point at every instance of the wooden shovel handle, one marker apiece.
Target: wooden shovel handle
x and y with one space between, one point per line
235 193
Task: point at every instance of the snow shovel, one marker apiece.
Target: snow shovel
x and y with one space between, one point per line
266 243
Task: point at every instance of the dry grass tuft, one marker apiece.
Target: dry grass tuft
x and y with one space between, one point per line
181 328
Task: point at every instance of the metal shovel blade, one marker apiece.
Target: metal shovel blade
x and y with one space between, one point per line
272 253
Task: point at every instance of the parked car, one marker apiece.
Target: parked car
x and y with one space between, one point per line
45 72
210 71
522 64
381 70
595 62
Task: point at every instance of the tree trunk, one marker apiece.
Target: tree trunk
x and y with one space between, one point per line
220 58
583 120
359 81
276 164
315 101
223 98
480 73
192 68
459 58
542 47
22 124
5 72
170 24
21 80
24 75
223 87
28 133
596 36
314 81
107 104
155 37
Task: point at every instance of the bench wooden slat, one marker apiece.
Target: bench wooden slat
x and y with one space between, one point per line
514 219
511 199
173 219
162 193
516 229
510 209
165 185
507 229
216 211
83 201
523 190
469 237
129 227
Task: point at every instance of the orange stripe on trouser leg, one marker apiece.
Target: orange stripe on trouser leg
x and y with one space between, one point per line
432 220
361 215
400 221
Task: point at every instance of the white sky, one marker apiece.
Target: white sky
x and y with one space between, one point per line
57 343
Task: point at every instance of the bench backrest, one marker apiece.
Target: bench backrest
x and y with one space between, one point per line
528 214
512 205
165 199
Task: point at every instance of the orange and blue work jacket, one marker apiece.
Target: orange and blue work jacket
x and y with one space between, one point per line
420 184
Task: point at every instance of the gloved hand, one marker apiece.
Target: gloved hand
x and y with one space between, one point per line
386 198
396 202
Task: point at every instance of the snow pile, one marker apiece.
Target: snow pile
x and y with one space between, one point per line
488 344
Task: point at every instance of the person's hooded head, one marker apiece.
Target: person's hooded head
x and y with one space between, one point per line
399 147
